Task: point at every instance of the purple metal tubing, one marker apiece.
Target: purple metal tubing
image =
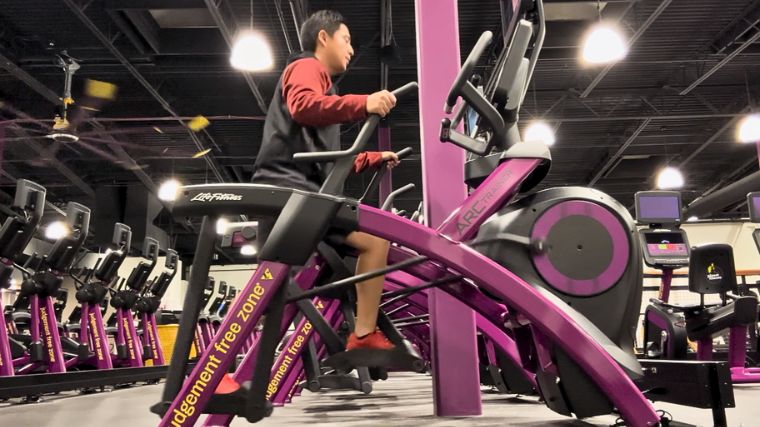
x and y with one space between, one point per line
666 280
297 342
51 339
704 349
98 337
285 388
200 347
305 279
6 361
552 321
131 339
489 315
150 338
237 326
737 352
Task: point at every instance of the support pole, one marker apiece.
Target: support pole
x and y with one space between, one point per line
456 388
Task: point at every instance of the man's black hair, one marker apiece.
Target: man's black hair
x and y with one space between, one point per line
328 20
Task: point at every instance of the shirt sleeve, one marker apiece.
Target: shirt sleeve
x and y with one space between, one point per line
304 87
367 160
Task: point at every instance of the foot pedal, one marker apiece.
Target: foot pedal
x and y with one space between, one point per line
402 358
345 382
313 385
147 352
236 403
378 374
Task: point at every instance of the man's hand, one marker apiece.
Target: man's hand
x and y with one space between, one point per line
391 159
381 103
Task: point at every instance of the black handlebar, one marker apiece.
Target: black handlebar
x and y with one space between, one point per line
467 69
406 152
388 204
361 140
462 87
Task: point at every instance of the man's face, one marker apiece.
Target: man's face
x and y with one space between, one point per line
338 49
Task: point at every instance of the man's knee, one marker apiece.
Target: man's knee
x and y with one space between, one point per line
369 243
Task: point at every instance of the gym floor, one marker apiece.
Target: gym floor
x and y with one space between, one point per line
403 400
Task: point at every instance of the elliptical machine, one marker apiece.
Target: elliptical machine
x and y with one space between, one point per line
17 231
128 350
147 306
666 248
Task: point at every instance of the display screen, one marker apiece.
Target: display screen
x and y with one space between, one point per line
659 208
666 244
755 214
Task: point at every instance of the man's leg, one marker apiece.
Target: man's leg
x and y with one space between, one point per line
373 255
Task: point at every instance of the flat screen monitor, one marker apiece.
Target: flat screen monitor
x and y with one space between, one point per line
658 207
753 201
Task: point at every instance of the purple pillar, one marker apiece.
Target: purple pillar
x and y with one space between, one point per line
456 388
384 144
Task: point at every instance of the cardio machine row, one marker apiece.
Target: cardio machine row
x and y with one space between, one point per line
41 351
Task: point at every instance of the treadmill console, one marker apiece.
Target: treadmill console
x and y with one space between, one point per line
664 243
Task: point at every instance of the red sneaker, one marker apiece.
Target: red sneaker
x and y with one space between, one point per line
374 341
227 385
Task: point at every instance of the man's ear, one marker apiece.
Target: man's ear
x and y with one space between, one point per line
322 38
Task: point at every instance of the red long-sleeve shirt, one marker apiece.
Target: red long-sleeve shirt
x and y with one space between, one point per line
304 87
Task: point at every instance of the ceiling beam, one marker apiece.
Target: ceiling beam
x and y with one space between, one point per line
30 81
614 158
636 36
229 29
153 4
281 18
78 10
723 62
714 137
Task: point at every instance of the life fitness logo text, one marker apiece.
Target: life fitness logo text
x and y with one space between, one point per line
213 197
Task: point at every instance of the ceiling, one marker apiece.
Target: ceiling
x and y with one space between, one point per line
170 61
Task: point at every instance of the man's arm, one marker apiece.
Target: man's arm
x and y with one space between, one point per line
304 85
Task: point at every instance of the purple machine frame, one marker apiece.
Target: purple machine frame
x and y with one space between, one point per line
549 322
44 329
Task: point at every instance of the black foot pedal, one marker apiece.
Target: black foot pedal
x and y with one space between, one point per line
236 403
345 382
402 358
160 408
313 385
378 374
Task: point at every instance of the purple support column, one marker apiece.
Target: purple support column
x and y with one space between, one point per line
456 391
384 144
